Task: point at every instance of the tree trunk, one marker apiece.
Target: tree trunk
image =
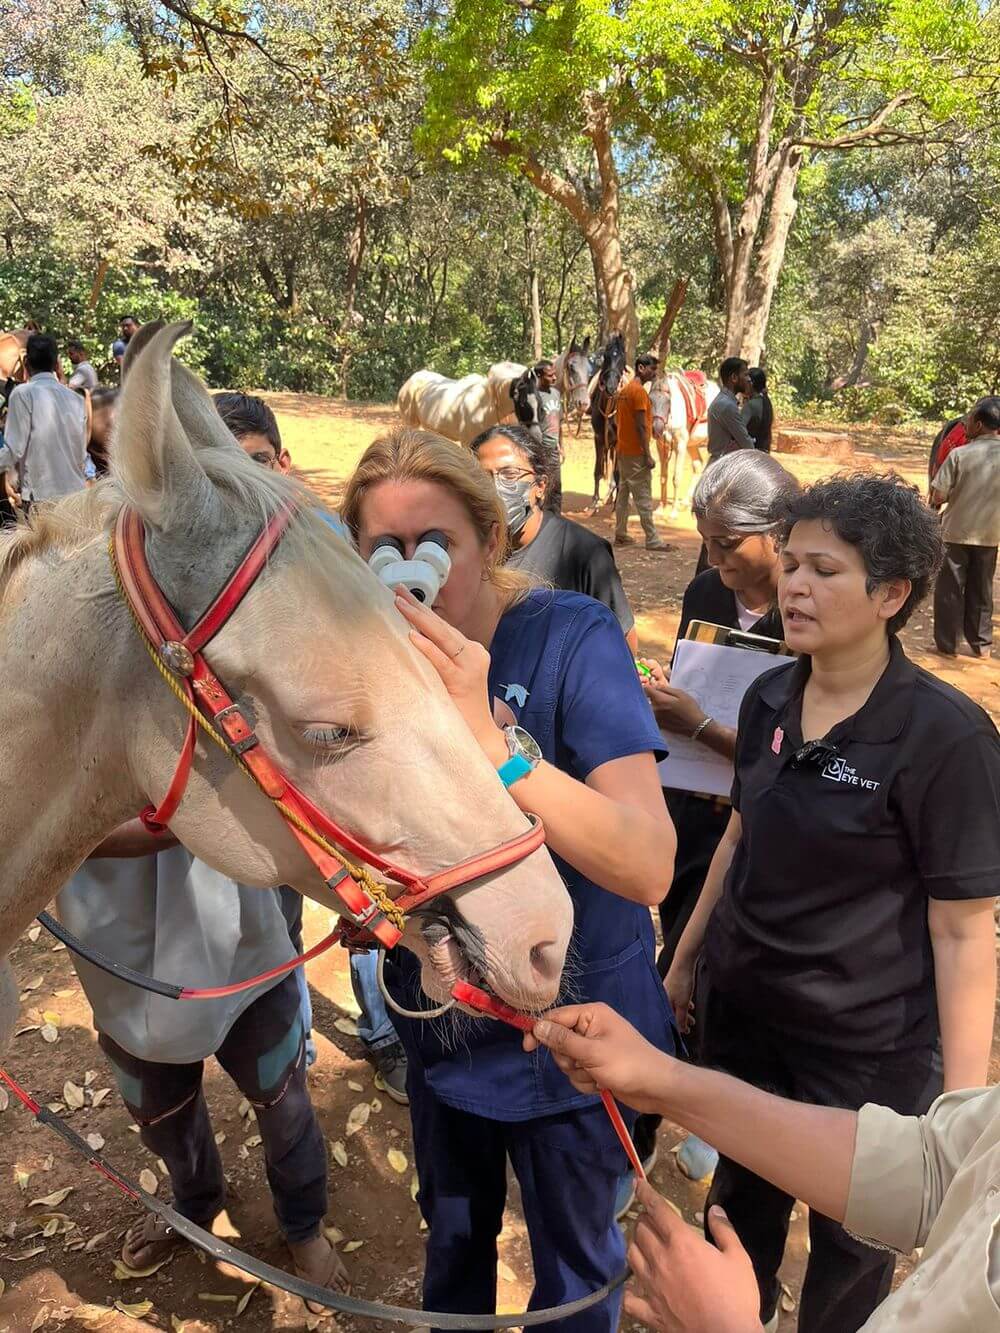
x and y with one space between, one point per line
96 289
771 256
600 297
536 316
615 279
866 336
660 346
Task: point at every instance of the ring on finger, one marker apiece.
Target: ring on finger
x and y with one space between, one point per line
455 656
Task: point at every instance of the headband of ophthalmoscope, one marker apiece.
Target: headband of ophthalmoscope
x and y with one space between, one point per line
424 575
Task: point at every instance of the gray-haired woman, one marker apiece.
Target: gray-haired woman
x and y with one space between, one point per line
734 504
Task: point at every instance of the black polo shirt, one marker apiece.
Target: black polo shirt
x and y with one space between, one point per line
821 931
571 557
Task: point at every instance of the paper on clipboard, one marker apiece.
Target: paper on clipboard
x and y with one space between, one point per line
718 677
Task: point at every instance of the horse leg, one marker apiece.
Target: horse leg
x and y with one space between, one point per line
599 465
663 449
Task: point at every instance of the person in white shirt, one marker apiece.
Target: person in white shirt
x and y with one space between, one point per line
84 375
45 436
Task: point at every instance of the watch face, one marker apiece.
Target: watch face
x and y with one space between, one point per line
527 745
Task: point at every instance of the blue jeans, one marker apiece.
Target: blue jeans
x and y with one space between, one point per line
374 1026
291 909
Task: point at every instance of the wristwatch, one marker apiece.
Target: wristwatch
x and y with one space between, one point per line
525 756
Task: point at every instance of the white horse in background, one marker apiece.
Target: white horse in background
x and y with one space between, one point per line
460 409
680 401
92 733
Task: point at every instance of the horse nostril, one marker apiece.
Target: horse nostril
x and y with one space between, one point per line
546 960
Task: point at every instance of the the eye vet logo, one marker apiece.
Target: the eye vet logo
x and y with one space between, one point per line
839 770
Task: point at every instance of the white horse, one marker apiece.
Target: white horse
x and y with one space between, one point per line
461 409
316 653
680 428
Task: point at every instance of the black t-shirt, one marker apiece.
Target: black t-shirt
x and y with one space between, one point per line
821 931
707 598
575 559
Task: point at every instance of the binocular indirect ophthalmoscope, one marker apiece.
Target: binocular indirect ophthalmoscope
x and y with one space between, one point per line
424 575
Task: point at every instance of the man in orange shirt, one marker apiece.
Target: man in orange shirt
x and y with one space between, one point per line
635 461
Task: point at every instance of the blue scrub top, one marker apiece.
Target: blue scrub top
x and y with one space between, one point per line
560 663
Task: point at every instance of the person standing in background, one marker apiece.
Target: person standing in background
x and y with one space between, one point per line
726 428
84 375
128 327
634 416
551 411
45 435
968 481
757 411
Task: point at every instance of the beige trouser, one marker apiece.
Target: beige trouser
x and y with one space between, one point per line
636 480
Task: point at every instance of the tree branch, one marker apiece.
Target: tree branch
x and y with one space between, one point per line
876 131
558 189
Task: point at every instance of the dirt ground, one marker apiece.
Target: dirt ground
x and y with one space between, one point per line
67 1278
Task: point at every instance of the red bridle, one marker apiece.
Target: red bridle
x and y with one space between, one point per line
180 657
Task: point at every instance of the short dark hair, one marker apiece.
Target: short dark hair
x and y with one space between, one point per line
758 379
541 456
731 366
42 353
244 414
544 364
75 345
883 516
646 359
123 318
987 413
104 397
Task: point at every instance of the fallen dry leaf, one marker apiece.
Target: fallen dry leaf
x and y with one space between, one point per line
29 1027
73 1095
42 1317
51 1016
358 1118
56 1107
787 1304
64 994
28 1254
3 1286
220 1138
149 1180
243 1108
333 1234
254 1141
34 933
89 1077
244 1300
94 1241
376 1104
75 1244
4 1099
397 1160
178 1325
99 1096
51 1227
52 1200
339 1153
22 1177
34 983
90 1314
49 1032
506 1272
414 1188
95 1141
355 1086
353 1245
347 1026
215 1296
137 1311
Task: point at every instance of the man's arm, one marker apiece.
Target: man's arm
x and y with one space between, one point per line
15 432
734 423
642 433
133 839
944 480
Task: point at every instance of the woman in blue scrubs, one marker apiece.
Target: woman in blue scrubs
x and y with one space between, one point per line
518 659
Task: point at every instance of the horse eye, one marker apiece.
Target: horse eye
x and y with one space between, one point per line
331 736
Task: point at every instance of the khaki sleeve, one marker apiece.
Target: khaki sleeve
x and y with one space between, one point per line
903 1165
944 478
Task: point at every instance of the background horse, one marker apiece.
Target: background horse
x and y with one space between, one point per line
102 731
603 411
680 402
573 371
13 362
460 409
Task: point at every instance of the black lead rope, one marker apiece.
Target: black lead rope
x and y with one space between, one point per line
221 1251
106 964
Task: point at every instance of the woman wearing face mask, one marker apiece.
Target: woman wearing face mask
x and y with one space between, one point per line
547 684
734 506
846 923
553 548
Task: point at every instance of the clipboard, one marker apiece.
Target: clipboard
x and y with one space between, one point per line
716 665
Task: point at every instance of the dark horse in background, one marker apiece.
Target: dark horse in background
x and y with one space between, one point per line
603 415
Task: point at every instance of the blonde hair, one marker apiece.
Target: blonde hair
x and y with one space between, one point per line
406 454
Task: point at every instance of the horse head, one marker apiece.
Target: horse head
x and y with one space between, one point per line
315 655
527 407
576 373
613 363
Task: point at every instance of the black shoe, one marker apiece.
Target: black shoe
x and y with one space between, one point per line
390 1071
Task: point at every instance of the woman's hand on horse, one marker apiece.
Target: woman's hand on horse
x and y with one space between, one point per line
597 1049
674 709
463 666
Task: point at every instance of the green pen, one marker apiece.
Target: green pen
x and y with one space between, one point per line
643 670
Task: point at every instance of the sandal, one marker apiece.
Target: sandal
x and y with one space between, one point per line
149 1242
317 1261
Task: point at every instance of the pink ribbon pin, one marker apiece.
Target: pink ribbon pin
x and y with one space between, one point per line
776 740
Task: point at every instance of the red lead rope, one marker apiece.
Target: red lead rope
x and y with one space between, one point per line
465 993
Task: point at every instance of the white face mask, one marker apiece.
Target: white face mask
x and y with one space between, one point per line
516 501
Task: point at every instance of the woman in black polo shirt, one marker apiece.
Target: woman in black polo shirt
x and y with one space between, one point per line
734 506
563 553
851 944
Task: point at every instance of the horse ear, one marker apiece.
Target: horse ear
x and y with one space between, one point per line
586 344
152 459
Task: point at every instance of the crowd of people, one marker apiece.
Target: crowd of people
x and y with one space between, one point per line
819 1013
